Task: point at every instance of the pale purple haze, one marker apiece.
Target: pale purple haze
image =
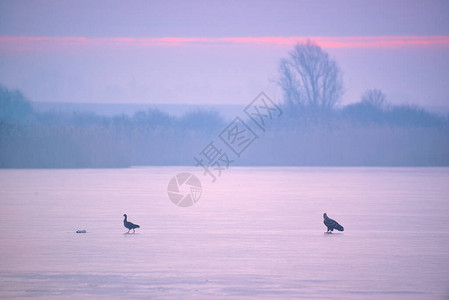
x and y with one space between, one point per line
216 73
256 233
378 168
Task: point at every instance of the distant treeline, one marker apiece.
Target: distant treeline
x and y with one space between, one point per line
360 134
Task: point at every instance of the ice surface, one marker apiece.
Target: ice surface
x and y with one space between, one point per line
255 233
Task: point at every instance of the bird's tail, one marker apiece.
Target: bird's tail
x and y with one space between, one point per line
339 227
137 226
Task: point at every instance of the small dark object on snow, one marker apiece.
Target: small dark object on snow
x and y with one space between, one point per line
129 225
81 231
331 224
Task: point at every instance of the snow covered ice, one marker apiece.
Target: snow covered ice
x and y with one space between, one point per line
255 233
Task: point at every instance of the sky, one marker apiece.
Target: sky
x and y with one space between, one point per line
218 52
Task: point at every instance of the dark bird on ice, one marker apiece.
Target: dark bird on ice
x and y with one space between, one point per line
129 225
331 224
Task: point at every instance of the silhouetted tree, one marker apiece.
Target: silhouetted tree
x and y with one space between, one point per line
152 118
414 116
201 120
361 133
14 106
374 97
310 78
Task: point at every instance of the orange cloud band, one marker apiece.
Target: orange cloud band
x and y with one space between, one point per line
29 42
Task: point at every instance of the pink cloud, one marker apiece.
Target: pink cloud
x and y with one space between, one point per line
31 43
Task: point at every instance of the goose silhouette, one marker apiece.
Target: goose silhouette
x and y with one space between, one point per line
129 225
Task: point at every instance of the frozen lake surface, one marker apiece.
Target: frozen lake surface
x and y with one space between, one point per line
255 233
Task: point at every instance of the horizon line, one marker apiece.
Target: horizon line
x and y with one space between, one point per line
23 42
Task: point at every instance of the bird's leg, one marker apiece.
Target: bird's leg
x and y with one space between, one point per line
134 230
128 230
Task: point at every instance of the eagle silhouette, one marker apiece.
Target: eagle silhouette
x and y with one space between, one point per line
331 224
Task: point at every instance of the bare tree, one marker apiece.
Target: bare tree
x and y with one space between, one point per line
374 97
13 105
310 78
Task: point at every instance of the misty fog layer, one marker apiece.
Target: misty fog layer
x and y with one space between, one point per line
361 134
